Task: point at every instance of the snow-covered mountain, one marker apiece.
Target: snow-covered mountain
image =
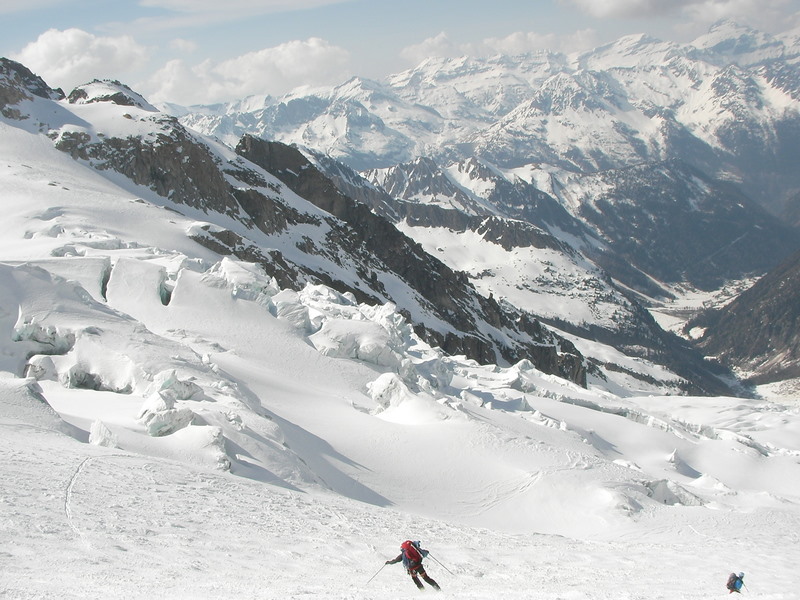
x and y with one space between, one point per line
186 411
665 168
670 223
249 213
721 102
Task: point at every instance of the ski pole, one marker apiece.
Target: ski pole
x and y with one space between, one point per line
440 564
376 574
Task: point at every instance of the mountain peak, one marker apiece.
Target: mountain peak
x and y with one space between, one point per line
730 28
727 41
628 51
17 77
109 91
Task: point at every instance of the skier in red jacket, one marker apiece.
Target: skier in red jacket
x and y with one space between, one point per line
411 554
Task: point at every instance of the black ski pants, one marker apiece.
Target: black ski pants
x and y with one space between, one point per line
419 571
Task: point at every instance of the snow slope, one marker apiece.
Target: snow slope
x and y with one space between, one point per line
82 521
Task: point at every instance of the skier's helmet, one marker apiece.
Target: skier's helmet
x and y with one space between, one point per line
741 575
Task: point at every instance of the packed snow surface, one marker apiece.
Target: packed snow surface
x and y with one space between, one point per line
175 425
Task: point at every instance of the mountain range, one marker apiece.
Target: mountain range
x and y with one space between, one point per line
495 197
650 168
726 103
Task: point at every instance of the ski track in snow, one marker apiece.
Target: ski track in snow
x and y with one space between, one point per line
68 499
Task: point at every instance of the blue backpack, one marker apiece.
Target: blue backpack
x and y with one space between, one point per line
735 582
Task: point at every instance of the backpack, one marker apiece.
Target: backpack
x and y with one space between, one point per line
411 553
734 583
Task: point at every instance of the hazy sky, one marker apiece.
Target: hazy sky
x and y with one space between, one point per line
189 51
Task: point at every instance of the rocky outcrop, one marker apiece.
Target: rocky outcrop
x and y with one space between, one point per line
18 83
170 162
109 91
446 293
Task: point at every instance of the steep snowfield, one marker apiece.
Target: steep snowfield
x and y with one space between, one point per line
82 521
545 281
175 425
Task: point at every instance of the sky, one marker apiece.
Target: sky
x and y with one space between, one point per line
205 51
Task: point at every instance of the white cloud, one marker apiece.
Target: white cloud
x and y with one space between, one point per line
183 46
630 8
438 46
770 15
273 71
520 42
71 57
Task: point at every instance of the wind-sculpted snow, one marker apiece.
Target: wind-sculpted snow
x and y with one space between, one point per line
163 361
137 527
450 443
23 402
167 388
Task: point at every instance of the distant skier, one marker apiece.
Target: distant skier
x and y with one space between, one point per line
735 583
412 554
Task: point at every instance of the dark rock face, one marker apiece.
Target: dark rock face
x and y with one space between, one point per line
229 243
515 199
174 165
352 184
109 91
791 215
18 83
759 331
445 293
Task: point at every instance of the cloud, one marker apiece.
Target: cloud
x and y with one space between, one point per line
8 7
273 71
520 42
771 15
194 13
71 57
183 46
631 8
439 46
